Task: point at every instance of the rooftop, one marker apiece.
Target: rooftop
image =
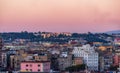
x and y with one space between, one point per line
34 61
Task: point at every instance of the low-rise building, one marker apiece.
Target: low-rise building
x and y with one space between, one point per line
35 66
77 61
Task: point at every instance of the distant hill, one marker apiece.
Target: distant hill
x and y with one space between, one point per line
113 32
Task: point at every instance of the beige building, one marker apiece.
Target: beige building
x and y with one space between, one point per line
78 61
41 57
15 61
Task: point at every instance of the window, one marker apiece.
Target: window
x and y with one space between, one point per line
26 65
30 65
26 69
39 70
31 70
38 65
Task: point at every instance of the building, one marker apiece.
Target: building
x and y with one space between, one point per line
4 60
35 66
15 61
90 57
105 48
106 61
116 60
40 57
64 61
1 45
77 61
117 41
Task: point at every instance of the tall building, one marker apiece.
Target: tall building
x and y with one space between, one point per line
106 61
90 57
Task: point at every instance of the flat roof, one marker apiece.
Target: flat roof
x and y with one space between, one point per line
34 61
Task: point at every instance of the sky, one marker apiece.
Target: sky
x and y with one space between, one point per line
59 15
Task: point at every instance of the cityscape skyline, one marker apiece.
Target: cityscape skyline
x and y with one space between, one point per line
59 36
59 16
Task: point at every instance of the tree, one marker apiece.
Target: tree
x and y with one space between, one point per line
76 68
113 68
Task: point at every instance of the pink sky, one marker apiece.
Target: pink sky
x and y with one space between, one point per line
59 15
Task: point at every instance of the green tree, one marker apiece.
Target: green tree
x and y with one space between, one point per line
113 68
76 68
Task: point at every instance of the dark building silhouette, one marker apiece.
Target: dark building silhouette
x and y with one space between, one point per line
1 45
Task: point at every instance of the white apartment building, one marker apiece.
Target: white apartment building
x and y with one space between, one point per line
89 55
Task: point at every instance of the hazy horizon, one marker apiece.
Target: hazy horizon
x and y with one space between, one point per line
59 15
57 32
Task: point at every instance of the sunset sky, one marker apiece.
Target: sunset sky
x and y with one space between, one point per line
59 15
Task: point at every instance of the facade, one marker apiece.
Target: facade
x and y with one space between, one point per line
106 61
15 61
35 66
16 57
4 60
101 63
90 57
77 61
54 62
1 42
64 61
116 60
40 57
1 45
105 48
117 41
